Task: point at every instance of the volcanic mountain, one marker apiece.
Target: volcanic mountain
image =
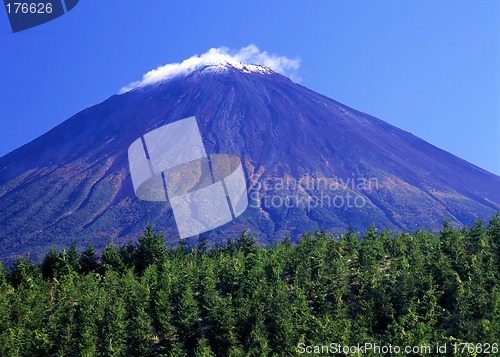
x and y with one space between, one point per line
311 163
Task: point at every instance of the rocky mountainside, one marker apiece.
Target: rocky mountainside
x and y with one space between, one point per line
310 162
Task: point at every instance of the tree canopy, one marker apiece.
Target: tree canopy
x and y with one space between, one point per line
237 299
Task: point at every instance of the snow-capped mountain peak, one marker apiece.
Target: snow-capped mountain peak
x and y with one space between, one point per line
311 163
248 59
243 67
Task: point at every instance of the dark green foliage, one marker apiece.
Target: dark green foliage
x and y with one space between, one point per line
150 250
50 264
239 299
113 327
88 262
111 260
23 272
73 257
139 331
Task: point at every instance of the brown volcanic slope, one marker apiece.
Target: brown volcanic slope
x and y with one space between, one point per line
299 149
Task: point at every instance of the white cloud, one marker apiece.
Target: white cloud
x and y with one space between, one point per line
248 56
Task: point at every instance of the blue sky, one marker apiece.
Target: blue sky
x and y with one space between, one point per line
429 67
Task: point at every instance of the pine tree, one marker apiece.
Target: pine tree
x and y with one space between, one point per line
150 250
113 335
50 264
111 260
139 329
90 308
257 343
187 315
73 257
203 349
88 261
162 300
6 291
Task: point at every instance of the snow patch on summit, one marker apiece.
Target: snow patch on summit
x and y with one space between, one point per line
248 59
